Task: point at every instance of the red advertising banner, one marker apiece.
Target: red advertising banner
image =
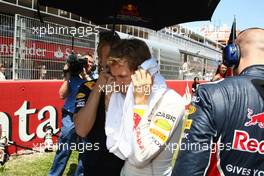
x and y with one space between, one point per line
27 106
40 49
25 109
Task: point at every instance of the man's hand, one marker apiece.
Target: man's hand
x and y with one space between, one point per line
66 72
84 75
142 86
109 89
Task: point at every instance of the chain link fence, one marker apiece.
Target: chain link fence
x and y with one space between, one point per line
30 49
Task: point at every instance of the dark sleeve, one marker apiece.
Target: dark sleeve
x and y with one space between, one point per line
82 96
196 142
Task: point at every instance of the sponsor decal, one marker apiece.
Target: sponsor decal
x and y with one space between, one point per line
80 95
156 142
139 142
256 119
159 134
90 84
80 104
239 170
163 124
191 109
195 99
187 124
129 10
136 119
242 142
185 136
166 116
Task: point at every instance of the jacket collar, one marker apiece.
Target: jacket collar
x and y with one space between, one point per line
254 70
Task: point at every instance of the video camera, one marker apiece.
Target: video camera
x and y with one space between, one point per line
76 64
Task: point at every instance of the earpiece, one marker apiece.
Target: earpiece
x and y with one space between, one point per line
231 55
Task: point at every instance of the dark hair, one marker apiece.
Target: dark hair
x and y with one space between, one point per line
134 51
218 69
195 78
107 37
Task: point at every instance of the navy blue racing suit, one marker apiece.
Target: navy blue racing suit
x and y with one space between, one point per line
229 112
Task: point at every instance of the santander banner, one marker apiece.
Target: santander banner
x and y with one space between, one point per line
26 107
39 49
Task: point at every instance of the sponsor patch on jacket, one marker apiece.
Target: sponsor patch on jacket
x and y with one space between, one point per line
195 99
80 103
90 84
80 95
190 109
255 119
187 124
137 119
163 124
158 134
166 116
242 141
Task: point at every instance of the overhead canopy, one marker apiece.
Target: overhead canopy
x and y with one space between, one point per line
154 14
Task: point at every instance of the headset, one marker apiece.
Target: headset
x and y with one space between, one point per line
232 52
231 55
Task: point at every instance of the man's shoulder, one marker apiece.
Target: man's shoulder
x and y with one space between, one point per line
225 82
88 84
85 89
225 87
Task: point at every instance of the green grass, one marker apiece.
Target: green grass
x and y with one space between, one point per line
37 164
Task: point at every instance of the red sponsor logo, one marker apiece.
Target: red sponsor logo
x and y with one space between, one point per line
139 142
137 119
255 119
243 142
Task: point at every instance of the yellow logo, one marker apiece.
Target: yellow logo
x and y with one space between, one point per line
187 124
191 109
163 124
158 134
90 84
80 95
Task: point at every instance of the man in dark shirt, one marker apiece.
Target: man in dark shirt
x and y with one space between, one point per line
89 118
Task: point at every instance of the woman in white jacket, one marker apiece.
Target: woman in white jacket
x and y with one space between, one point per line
143 121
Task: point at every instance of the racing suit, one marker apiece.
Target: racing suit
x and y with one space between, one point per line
229 112
155 138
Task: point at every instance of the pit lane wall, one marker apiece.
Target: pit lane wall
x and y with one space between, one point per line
27 106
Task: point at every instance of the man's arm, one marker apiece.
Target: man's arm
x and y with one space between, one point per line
197 139
86 107
64 89
150 138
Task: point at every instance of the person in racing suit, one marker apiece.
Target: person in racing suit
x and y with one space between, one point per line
231 113
144 117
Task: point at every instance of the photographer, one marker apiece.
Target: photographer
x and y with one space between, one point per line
90 67
74 75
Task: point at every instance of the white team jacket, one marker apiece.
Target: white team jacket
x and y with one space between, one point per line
155 141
